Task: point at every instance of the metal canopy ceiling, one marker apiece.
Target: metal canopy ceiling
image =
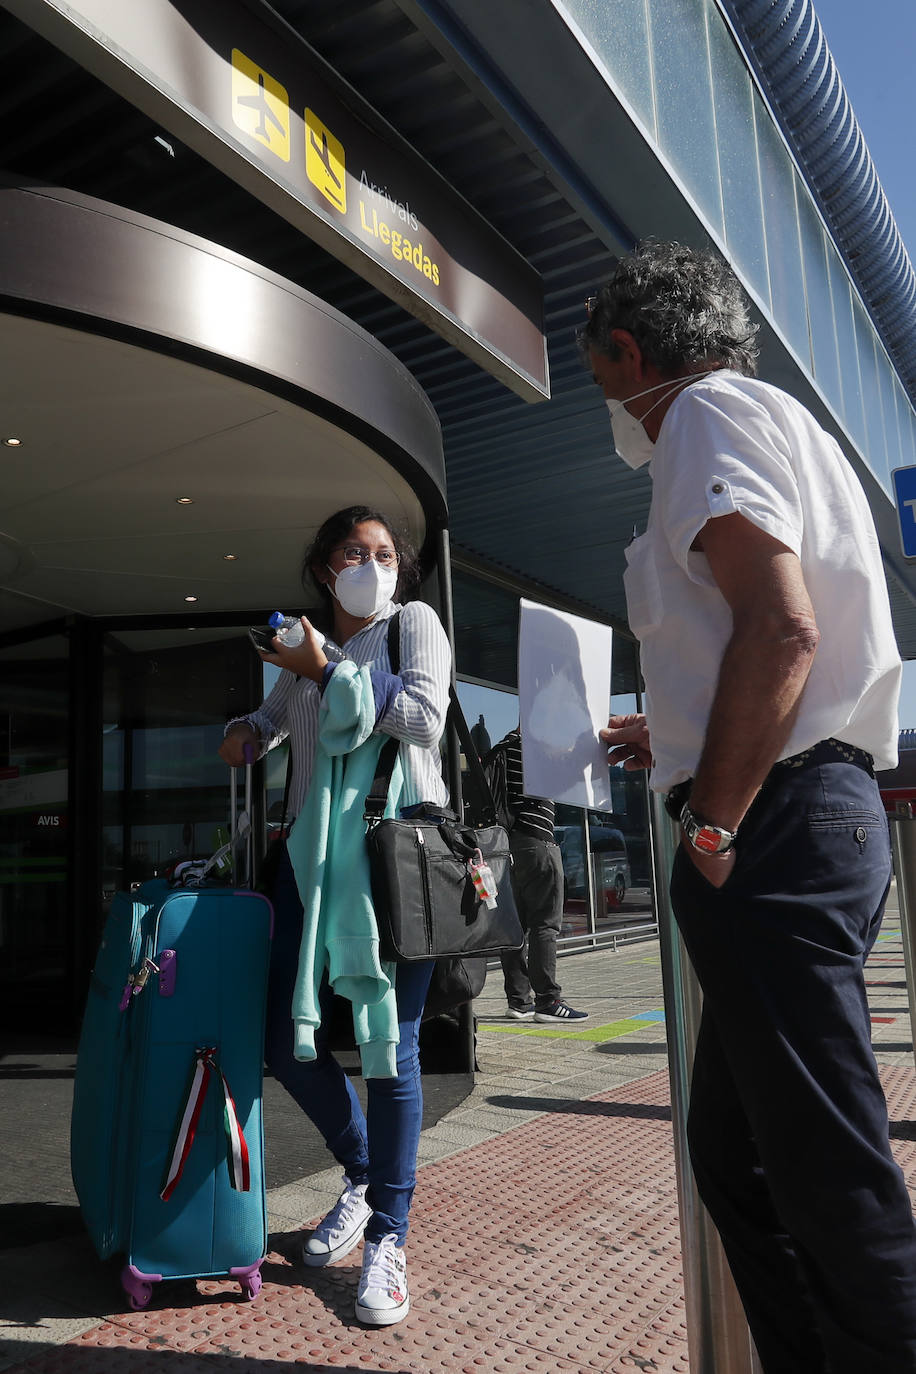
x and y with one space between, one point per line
184 420
531 489
100 532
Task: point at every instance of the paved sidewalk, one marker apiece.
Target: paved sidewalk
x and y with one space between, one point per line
544 1232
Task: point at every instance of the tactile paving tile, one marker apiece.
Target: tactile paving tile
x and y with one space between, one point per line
662 1347
551 1249
588 1183
900 1090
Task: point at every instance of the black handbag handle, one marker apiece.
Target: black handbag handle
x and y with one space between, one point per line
461 840
377 795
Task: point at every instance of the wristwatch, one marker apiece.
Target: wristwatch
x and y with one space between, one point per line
708 839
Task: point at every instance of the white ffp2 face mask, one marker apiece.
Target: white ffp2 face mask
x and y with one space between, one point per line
364 588
630 438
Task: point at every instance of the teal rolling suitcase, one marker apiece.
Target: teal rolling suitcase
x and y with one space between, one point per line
166 1138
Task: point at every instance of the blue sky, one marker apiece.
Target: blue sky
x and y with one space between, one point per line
874 47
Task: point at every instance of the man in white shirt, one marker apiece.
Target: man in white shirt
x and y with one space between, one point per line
758 596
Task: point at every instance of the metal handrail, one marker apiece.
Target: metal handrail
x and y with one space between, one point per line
614 935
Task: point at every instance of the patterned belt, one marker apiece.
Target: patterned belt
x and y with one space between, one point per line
825 751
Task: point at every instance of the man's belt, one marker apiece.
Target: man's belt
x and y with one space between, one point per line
825 751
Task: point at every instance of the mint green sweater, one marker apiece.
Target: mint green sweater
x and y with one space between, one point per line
327 848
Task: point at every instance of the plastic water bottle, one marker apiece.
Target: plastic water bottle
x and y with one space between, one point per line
288 628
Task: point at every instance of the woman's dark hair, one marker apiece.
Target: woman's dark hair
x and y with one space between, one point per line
683 306
332 534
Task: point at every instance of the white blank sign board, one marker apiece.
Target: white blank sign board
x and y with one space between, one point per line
564 690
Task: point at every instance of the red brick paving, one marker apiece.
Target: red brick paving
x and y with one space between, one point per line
552 1249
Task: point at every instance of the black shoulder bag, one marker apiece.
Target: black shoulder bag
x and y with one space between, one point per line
423 866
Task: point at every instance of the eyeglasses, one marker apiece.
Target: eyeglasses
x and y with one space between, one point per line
355 553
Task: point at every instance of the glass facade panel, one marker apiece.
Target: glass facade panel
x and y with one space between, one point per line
606 863
724 147
907 425
683 100
876 451
820 303
35 938
486 631
787 279
889 409
491 714
738 166
606 866
166 792
619 33
849 353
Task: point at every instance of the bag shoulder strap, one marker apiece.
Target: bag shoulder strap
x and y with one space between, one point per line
378 793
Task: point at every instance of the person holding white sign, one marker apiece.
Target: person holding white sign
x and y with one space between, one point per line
758 596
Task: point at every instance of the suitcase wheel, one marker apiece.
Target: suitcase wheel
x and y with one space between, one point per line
138 1287
251 1285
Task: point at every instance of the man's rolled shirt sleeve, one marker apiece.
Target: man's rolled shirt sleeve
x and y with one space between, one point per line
717 463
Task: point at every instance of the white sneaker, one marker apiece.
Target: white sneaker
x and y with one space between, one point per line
341 1230
382 1298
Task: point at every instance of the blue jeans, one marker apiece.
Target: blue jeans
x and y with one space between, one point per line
380 1146
788 1126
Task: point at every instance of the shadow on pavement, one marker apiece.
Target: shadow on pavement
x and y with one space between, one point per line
640 1111
31 1223
112 1361
631 1047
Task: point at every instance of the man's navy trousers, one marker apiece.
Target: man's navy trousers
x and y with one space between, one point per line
788 1125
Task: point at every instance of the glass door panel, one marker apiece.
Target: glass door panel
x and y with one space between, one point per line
35 944
165 790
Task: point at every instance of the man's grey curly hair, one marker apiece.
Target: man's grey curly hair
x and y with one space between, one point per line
684 307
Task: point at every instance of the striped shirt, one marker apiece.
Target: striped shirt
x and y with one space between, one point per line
533 815
414 713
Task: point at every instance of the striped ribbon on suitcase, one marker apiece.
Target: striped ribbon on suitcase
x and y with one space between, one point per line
206 1064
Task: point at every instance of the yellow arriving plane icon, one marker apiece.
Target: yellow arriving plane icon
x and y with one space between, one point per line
325 162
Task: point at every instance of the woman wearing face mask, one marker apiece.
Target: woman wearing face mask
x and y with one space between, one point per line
337 701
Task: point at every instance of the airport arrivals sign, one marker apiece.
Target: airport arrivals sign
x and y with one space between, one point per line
232 81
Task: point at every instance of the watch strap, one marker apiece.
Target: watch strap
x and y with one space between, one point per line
706 838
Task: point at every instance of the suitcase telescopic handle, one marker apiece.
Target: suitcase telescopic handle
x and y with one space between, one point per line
241 873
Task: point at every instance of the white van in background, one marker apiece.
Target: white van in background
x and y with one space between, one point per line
609 857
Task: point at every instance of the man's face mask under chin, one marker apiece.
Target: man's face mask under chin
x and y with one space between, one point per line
630 438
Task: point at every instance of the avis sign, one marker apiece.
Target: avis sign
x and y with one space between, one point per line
905 496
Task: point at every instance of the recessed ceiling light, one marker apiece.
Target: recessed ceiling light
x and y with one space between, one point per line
12 443
230 557
190 598
184 500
